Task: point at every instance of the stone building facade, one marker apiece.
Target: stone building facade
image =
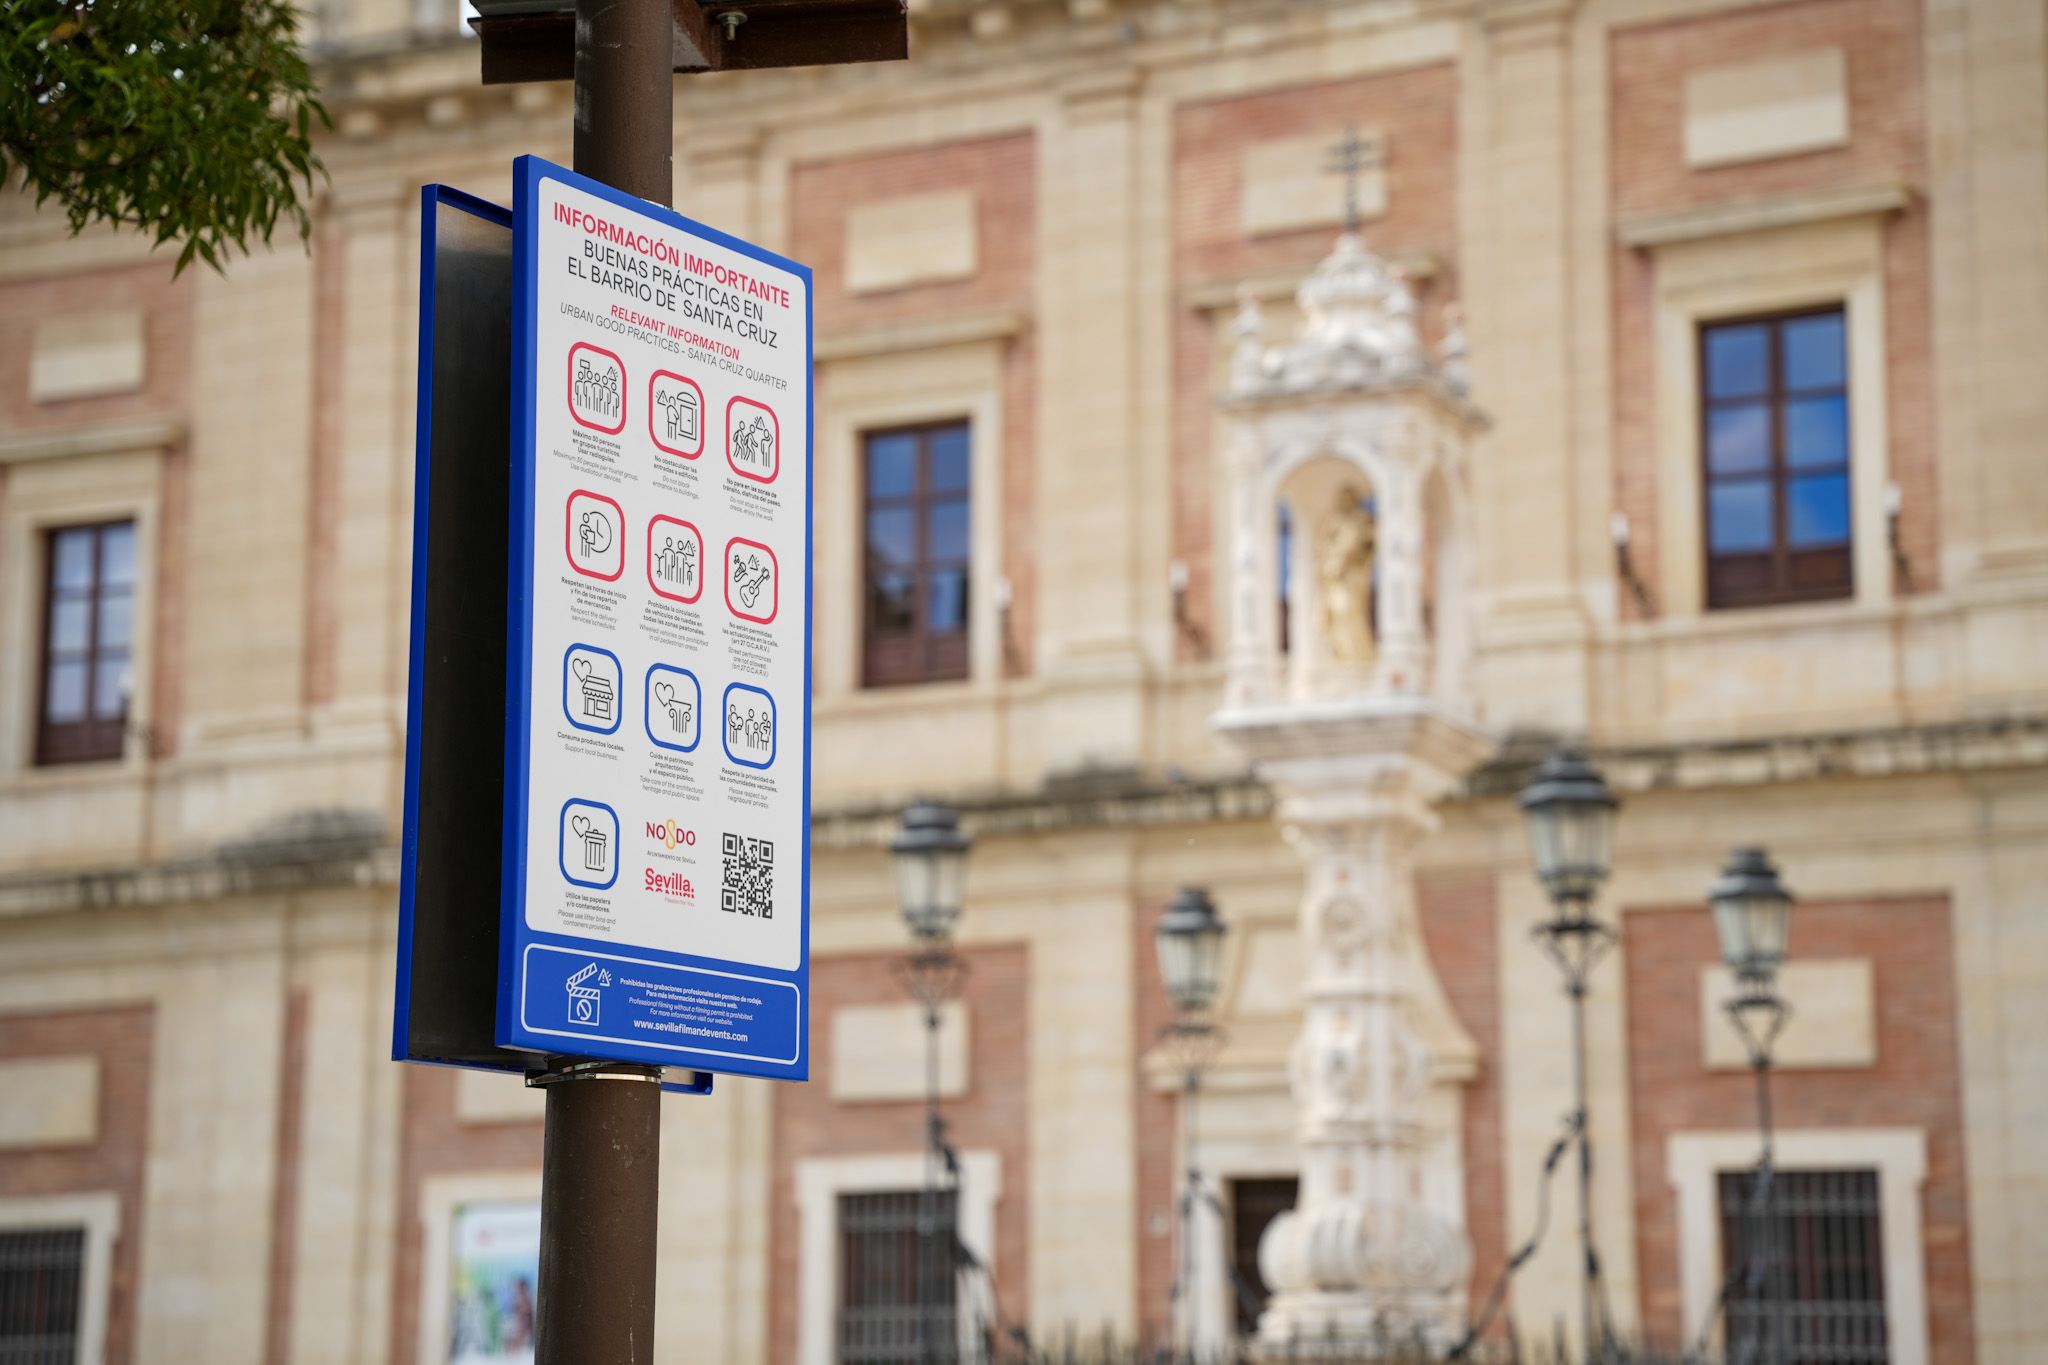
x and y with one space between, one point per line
1031 242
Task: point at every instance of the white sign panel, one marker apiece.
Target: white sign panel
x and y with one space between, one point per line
658 745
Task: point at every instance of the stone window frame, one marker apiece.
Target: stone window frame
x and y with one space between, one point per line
64 481
1718 272
1694 1161
819 1183
439 1198
98 1214
878 383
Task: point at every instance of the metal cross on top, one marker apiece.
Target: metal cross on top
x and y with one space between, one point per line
1351 158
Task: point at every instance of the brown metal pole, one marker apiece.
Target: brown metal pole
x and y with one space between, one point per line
625 95
601 1158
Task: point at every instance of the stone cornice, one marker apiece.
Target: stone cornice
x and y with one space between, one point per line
1759 215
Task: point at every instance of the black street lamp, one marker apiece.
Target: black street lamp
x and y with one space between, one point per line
1752 912
930 855
1570 815
1189 938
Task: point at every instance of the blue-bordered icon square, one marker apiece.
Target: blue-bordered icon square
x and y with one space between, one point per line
590 693
748 726
588 845
675 718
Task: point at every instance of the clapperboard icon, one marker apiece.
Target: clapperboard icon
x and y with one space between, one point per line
583 999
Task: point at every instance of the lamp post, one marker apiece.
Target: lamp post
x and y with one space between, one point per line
1752 912
930 854
1189 938
1570 815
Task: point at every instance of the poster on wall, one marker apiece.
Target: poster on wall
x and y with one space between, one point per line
657 733
492 1283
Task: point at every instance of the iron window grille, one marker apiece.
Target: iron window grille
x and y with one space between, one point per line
88 633
898 1281
916 575
1828 1277
1774 455
41 1273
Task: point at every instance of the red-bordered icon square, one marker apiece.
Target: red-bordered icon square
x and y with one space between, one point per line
671 572
750 579
584 532
595 388
753 447
675 414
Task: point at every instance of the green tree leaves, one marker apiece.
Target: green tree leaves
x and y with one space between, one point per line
191 119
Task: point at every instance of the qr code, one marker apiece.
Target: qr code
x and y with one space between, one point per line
749 887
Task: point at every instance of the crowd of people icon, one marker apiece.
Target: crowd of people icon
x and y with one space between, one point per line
677 564
680 405
754 443
596 390
749 576
755 729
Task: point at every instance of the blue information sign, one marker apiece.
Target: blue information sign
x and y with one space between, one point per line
655 886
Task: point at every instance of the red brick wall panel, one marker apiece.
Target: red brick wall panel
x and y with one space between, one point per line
992 1116
1914 1083
123 1040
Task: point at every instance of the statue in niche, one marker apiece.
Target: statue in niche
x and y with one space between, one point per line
1344 578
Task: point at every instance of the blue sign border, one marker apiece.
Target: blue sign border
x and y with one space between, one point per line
516 936
774 725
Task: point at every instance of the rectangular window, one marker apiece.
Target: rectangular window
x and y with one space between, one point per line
1253 1205
1774 444
88 632
916 554
897 1279
41 1273
1822 1265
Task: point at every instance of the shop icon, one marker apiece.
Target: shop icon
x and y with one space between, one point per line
675 708
591 679
753 440
749 724
752 580
675 559
597 388
590 844
595 536
675 414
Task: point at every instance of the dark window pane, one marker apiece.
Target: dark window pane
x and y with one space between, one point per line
66 699
1816 432
41 1273
71 565
69 618
1739 438
117 610
949 530
1811 352
892 604
1738 361
117 555
892 538
1817 510
1739 516
949 459
946 601
892 465
110 687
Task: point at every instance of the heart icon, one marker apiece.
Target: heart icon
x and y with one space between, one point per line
581 824
580 666
664 694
